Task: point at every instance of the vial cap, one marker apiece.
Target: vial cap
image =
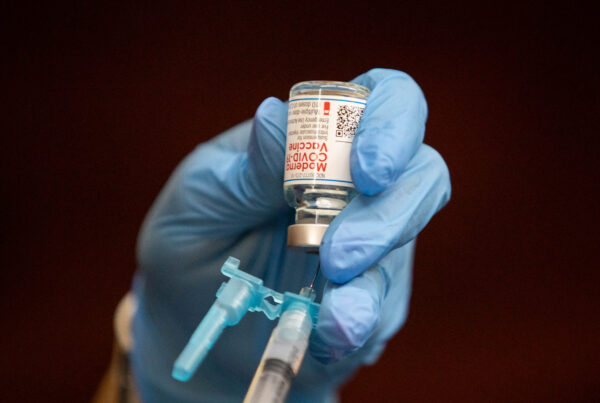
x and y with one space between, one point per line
306 236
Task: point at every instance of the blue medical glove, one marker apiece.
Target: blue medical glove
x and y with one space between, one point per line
226 198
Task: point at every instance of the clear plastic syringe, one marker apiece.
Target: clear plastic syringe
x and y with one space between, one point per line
283 355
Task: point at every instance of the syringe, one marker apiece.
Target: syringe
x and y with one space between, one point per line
285 350
283 355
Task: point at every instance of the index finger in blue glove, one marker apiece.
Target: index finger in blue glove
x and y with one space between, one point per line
370 226
391 129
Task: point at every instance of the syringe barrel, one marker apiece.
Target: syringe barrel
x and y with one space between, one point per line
282 357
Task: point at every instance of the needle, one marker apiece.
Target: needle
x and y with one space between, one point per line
312 283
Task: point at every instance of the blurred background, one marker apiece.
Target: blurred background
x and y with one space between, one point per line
102 101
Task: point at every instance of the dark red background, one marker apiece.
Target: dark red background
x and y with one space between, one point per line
101 102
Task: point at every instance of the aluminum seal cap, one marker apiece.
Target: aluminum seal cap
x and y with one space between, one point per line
306 236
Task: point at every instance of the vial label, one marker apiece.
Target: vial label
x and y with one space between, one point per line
320 132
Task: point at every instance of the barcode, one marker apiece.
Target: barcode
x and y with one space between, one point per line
348 117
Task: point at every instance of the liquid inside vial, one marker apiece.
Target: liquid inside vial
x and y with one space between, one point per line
318 204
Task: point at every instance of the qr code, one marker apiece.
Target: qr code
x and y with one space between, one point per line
348 118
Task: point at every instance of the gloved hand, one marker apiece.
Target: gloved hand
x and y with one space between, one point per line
226 198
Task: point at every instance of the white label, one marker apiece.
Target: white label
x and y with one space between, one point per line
320 132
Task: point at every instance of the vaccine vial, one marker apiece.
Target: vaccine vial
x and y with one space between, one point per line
322 121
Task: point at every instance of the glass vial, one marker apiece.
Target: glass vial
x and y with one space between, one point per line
322 121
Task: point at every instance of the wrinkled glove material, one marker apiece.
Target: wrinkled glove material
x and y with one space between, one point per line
226 199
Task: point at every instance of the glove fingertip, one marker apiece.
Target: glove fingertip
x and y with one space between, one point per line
333 263
347 319
371 171
272 111
343 255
